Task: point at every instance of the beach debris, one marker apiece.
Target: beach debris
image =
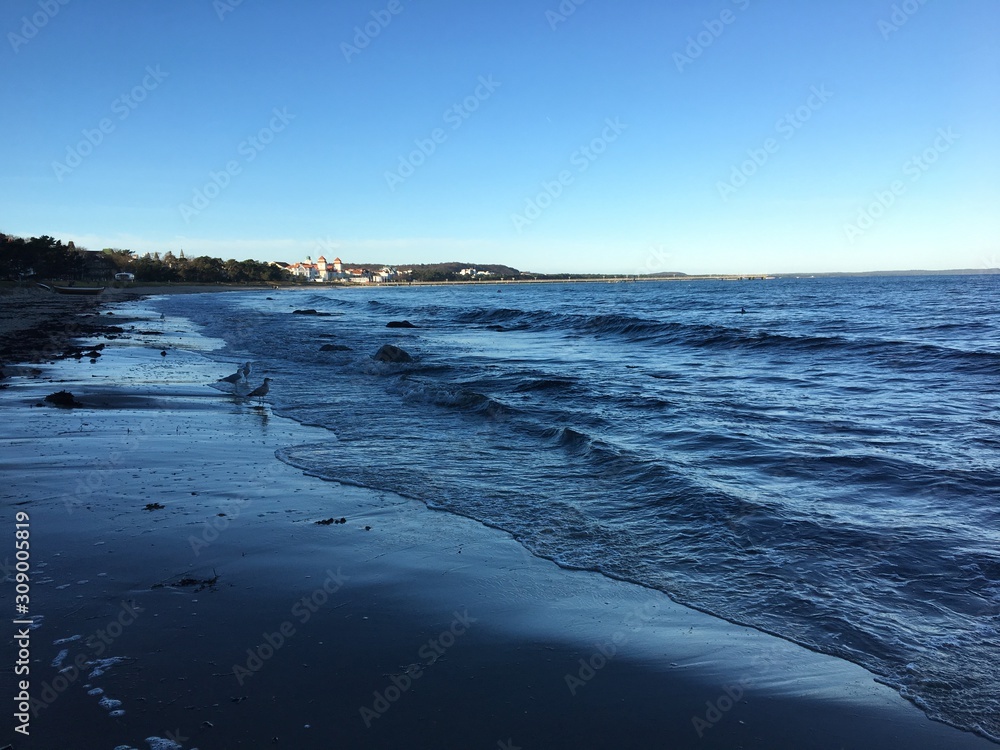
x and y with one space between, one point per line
334 348
330 521
390 353
154 506
399 324
63 398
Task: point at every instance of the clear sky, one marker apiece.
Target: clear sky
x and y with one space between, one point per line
592 136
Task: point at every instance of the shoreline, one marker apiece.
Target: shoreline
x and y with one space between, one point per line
441 627
39 326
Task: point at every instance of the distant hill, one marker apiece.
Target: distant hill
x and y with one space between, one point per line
455 266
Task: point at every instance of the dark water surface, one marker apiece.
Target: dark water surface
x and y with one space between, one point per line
825 467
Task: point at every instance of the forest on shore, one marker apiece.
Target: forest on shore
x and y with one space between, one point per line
46 258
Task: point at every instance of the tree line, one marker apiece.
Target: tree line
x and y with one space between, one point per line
47 258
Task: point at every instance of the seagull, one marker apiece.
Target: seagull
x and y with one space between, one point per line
260 391
234 379
245 371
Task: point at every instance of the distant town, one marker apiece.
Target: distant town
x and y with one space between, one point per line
321 270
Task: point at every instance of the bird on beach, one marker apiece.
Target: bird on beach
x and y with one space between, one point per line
234 379
245 371
260 391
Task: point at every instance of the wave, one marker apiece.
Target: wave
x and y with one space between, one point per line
898 354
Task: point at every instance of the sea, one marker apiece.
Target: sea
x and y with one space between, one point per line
817 458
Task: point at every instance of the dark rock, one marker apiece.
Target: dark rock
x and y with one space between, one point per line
310 311
331 521
334 348
154 506
399 324
62 398
390 353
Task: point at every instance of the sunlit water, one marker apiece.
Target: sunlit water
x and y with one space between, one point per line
825 467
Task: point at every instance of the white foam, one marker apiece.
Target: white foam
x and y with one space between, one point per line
60 657
158 743
109 703
61 641
100 666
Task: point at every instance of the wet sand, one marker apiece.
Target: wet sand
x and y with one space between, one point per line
232 619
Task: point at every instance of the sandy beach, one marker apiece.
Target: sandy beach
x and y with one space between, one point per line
187 587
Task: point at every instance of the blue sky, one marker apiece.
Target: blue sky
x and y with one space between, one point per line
596 136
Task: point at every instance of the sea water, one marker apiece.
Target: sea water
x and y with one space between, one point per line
824 466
